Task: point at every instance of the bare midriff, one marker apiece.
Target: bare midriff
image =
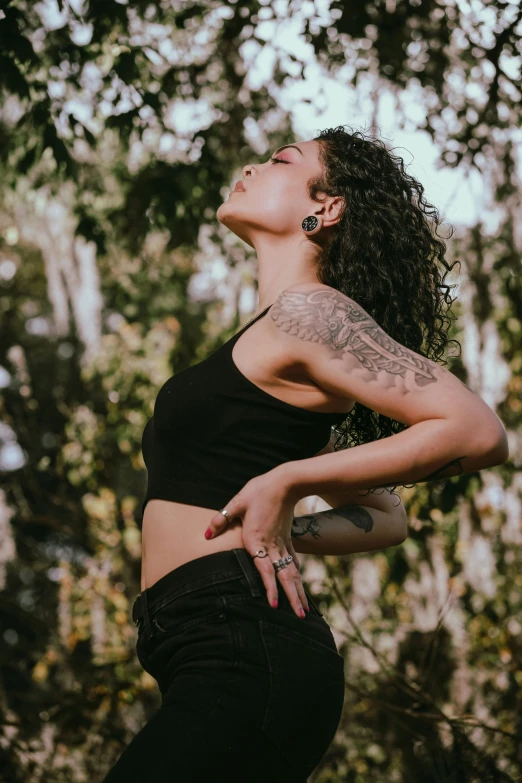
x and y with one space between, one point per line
173 533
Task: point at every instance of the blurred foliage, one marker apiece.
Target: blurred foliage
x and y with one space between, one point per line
89 148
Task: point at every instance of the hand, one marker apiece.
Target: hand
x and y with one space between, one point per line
267 510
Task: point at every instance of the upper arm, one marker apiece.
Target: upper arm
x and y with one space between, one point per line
348 354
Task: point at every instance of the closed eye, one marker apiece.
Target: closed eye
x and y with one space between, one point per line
278 160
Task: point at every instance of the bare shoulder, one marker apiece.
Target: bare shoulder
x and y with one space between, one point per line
316 313
304 295
301 322
313 311
300 309
346 352
294 315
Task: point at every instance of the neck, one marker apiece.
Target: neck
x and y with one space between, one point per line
279 267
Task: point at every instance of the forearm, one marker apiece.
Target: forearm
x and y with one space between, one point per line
347 529
427 451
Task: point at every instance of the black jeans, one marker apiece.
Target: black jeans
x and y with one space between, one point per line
250 694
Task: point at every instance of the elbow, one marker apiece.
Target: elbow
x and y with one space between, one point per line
398 539
501 454
486 438
496 451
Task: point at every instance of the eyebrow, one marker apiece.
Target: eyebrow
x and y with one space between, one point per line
289 145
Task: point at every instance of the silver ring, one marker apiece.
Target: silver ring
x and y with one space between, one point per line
225 513
261 553
283 562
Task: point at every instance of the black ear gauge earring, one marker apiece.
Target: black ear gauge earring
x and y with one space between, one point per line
309 223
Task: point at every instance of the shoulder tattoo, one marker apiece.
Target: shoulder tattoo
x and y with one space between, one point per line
333 319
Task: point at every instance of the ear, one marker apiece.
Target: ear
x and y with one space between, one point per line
333 208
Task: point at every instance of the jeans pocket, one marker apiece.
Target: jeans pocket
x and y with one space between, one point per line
198 603
185 610
306 693
178 618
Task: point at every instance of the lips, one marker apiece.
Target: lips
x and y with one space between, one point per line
239 186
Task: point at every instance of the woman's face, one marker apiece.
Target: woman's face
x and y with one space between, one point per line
275 200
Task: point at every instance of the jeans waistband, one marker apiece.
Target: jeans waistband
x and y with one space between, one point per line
202 571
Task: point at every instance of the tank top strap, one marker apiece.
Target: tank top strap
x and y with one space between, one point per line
249 323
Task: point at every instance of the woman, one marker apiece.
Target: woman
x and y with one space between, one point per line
252 686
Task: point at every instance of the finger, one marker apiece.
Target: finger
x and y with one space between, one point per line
290 547
219 521
297 576
266 569
291 583
291 550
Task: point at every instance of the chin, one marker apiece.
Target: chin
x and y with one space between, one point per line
235 226
221 212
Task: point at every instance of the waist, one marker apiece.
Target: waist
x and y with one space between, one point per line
205 570
173 533
191 494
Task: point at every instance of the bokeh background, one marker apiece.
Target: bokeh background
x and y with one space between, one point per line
123 126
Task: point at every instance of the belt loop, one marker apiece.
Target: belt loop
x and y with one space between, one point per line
247 564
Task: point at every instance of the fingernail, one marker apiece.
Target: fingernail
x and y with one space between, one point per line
275 604
208 534
307 608
301 613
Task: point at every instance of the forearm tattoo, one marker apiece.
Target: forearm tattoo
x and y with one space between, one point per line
334 319
310 524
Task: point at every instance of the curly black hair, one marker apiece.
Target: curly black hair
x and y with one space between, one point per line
385 254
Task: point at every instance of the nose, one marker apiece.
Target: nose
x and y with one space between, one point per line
246 170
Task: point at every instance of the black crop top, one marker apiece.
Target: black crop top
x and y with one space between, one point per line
213 430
